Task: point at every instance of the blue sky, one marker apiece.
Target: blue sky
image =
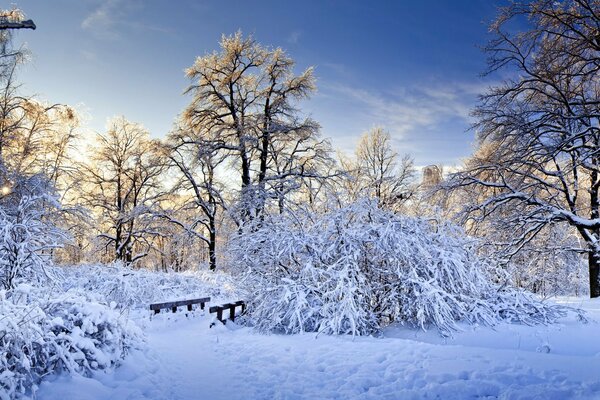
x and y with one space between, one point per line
410 66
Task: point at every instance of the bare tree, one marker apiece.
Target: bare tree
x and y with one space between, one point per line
225 92
378 171
34 135
539 133
31 166
286 143
200 193
123 188
243 102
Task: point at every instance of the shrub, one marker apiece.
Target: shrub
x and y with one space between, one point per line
26 238
132 288
42 332
357 269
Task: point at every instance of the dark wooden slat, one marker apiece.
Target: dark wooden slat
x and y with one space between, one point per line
241 303
227 306
175 304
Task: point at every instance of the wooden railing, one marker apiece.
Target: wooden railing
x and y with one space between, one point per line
174 304
228 306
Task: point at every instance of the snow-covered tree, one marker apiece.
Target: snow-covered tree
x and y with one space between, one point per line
377 171
122 186
381 172
243 103
27 236
359 268
538 132
298 165
200 194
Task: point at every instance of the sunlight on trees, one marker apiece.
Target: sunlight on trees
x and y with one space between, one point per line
123 187
243 105
246 193
538 132
243 152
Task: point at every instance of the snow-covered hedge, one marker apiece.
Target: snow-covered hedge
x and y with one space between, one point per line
26 241
43 331
77 325
136 288
360 268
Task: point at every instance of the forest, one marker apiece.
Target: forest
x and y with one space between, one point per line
247 198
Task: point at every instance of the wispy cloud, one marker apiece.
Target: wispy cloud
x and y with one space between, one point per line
425 119
104 19
341 70
407 110
294 37
88 55
111 17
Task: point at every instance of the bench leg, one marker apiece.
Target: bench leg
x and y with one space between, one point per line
232 313
174 309
220 315
202 306
189 307
156 311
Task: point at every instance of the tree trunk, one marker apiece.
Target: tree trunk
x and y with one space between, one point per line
594 266
264 151
247 195
593 255
212 245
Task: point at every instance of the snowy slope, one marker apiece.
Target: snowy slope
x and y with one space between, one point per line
187 360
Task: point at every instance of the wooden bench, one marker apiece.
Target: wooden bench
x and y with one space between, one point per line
228 306
174 304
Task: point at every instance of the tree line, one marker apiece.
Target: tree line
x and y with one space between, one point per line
242 150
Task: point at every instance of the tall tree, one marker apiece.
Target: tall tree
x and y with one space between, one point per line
539 132
243 102
200 193
378 171
122 186
31 165
381 170
225 92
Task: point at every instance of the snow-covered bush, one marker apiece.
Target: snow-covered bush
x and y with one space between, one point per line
548 265
26 239
132 288
42 332
360 268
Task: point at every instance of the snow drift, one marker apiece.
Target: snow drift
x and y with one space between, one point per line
360 268
136 288
43 331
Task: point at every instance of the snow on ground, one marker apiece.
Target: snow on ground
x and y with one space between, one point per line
185 359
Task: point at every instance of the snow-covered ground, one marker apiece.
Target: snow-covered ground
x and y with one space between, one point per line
185 359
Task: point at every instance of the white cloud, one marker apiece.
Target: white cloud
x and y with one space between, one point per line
104 19
407 110
425 119
112 16
294 37
89 55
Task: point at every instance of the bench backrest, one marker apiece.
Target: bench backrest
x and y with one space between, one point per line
179 303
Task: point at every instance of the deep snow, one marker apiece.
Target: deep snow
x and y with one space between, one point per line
185 359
